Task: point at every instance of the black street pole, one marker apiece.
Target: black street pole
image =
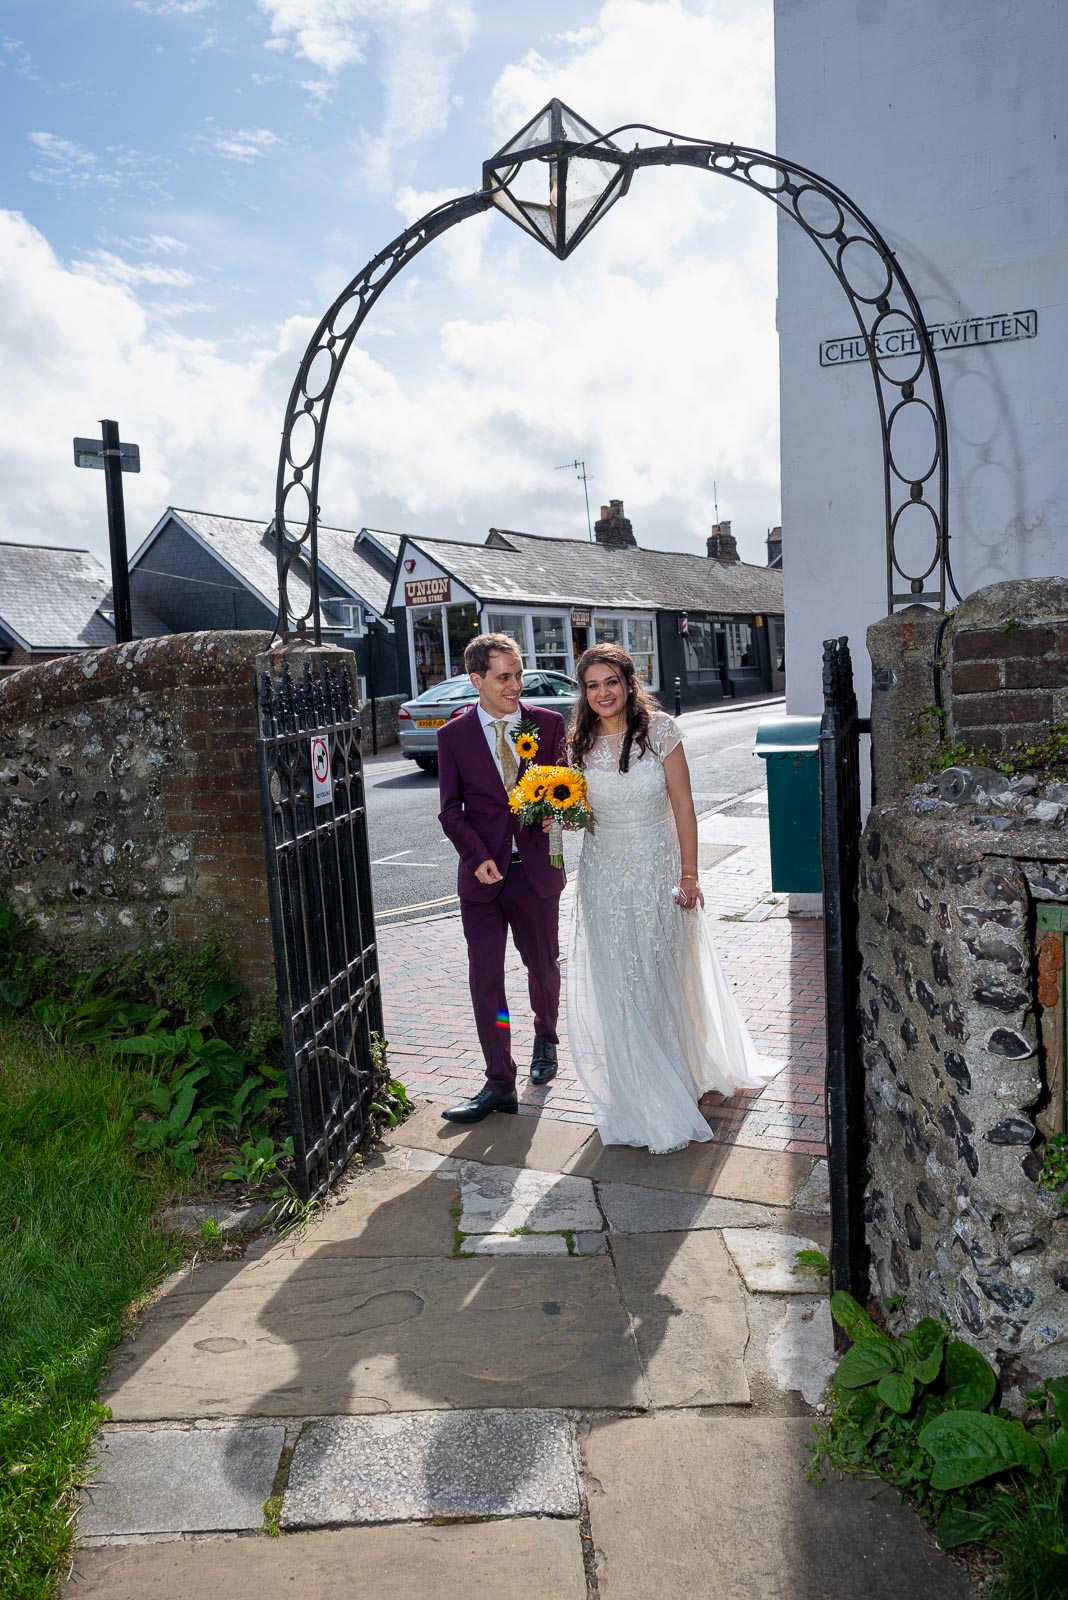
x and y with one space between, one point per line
372 645
120 572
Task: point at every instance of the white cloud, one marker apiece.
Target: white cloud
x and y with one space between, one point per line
64 162
420 41
106 267
207 427
237 144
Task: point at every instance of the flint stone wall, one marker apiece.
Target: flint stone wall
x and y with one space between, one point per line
129 800
957 1221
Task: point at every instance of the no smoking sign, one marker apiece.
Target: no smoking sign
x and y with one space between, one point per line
322 779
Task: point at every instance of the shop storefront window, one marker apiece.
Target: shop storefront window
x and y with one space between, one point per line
509 624
428 637
701 663
640 645
550 643
608 630
463 625
780 645
741 651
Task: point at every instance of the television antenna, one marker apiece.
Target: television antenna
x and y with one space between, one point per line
579 468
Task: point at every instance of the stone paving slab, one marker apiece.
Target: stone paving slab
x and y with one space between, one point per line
769 1177
717 1508
499 1199
281 1337
767 1261
379 1214
688 1312
791 1348
534 1558
527 1244
632 1208
432 1464
178 1480
531 1142
815 1194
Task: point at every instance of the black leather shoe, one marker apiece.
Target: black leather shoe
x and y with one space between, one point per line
543 1066
480 1105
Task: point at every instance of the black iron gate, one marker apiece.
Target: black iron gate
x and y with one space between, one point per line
840 805
319 879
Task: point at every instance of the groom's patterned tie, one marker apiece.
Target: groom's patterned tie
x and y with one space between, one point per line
506 756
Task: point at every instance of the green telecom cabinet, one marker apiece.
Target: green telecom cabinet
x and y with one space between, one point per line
790 748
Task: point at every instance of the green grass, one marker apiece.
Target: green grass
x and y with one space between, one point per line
76 1252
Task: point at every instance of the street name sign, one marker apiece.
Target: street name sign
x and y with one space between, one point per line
904 340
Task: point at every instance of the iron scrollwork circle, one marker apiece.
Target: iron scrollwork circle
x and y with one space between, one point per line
912 407
318 373
896 379
915 579
800 204
863 249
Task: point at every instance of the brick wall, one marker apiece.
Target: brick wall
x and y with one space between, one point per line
129 803
1007 662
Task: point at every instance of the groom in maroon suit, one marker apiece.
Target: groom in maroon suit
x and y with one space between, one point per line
505 880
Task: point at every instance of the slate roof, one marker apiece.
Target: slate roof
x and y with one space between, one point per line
244 546
249 550
348 561
51 598
528 568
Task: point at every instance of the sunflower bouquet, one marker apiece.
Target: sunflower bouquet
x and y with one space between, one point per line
558 793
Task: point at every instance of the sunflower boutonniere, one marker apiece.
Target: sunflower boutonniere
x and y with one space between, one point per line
525 738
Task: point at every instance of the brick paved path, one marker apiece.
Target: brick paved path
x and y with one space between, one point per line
775 966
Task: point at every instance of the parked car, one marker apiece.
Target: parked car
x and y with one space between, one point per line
421 718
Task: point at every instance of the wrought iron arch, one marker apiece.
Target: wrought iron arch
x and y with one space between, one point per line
587 172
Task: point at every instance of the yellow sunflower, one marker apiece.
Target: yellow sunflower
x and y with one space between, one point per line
563 791
526 747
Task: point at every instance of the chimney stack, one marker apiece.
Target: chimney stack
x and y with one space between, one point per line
721 543
613 528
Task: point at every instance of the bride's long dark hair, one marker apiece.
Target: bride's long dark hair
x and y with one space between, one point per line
639 708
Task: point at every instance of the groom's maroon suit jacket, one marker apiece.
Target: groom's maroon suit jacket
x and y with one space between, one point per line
474 804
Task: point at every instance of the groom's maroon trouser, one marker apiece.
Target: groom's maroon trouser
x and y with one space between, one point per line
535 925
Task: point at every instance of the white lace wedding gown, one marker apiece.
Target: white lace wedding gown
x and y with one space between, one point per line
651 1020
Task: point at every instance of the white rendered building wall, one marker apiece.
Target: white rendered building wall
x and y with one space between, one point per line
947 125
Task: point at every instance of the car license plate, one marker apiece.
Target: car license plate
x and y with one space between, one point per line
431 722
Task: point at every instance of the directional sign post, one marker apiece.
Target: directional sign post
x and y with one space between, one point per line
115 459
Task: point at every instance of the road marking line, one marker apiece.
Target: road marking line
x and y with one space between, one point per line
430 866
383 859
422 905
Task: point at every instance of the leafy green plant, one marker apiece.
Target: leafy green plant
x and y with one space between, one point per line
919 1412
259 1160
811 1261
391 1100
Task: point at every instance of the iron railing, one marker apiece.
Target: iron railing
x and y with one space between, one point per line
840 808
319 882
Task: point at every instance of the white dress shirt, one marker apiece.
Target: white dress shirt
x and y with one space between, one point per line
488 719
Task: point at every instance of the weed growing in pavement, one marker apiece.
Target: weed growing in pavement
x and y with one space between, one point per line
811 1261
919 1412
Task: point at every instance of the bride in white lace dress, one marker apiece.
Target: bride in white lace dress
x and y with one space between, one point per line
651 1020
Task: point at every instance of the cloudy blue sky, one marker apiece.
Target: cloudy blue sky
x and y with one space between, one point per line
187 184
